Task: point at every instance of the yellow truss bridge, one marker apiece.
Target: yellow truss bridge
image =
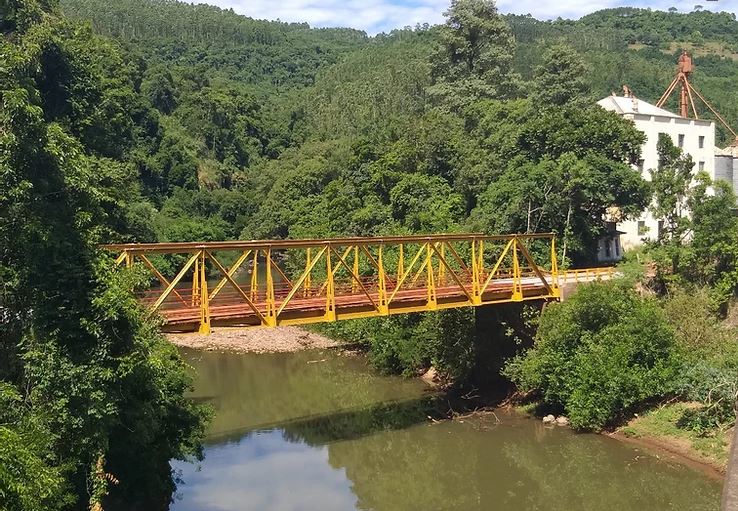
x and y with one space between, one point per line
293 282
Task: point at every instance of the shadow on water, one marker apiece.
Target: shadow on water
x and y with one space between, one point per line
321 429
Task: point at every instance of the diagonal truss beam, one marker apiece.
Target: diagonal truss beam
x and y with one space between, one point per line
496 266
232 282
354 276
302 278
452 272
231 271
176 280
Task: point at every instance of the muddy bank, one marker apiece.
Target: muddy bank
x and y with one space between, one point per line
675 448
255 340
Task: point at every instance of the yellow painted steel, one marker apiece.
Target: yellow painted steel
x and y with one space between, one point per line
311 281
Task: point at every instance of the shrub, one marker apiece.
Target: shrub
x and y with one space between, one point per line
600 352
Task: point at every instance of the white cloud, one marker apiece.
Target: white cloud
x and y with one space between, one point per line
375 16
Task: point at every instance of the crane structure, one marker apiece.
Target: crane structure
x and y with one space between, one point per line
687 94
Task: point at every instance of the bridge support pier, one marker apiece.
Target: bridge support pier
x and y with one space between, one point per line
501 332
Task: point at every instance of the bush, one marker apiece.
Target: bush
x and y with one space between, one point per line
410 343
602 351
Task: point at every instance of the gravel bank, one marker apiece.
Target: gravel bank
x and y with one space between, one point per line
254 340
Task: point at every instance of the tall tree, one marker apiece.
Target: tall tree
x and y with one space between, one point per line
670 183
103 392
561 79
473 57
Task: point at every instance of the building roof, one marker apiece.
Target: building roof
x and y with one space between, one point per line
632 105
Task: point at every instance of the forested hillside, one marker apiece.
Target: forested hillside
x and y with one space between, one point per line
241 128
239 113
146 120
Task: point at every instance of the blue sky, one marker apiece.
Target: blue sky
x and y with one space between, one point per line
381 15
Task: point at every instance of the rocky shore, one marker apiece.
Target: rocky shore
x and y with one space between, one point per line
254 340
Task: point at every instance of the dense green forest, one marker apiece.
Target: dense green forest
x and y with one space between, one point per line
164 121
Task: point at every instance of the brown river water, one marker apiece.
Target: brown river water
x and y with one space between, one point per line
321 431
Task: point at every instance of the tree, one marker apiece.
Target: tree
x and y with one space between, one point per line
473 57
563 169
160 90
104 391
561 79
670 183
601 351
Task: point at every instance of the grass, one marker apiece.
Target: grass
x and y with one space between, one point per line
661 424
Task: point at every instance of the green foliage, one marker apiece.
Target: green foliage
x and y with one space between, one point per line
602 351
561 79
410 344
473 58
99 385
564 168
27 480
671 183
710 374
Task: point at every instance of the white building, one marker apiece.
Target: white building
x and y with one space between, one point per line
694 137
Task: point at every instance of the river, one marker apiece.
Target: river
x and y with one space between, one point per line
321 431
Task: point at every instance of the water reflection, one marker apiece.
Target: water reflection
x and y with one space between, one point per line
317 431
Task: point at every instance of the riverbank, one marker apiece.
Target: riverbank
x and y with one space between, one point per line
287 339
659 428
657 431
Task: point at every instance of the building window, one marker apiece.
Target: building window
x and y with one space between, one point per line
640 165
608 249
617 247
642 230
681 140
701 165
660 229
702 142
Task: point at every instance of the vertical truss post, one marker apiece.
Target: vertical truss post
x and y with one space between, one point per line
196 284
480 271
382 282
354 282
255 276
476 287
129 259
204 300
430 272
330 290
308 263
517 294
441 266
271 304
554 269
401 263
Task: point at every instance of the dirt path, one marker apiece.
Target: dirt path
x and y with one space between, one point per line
254 340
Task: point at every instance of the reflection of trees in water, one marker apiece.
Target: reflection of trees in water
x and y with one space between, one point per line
353 424
454 465
260 391
424 467
566 471
376 429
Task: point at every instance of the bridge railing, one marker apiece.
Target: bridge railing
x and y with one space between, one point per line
586 275
281 282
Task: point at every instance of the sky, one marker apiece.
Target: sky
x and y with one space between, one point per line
374 16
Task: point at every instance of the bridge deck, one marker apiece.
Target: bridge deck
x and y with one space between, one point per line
230 310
